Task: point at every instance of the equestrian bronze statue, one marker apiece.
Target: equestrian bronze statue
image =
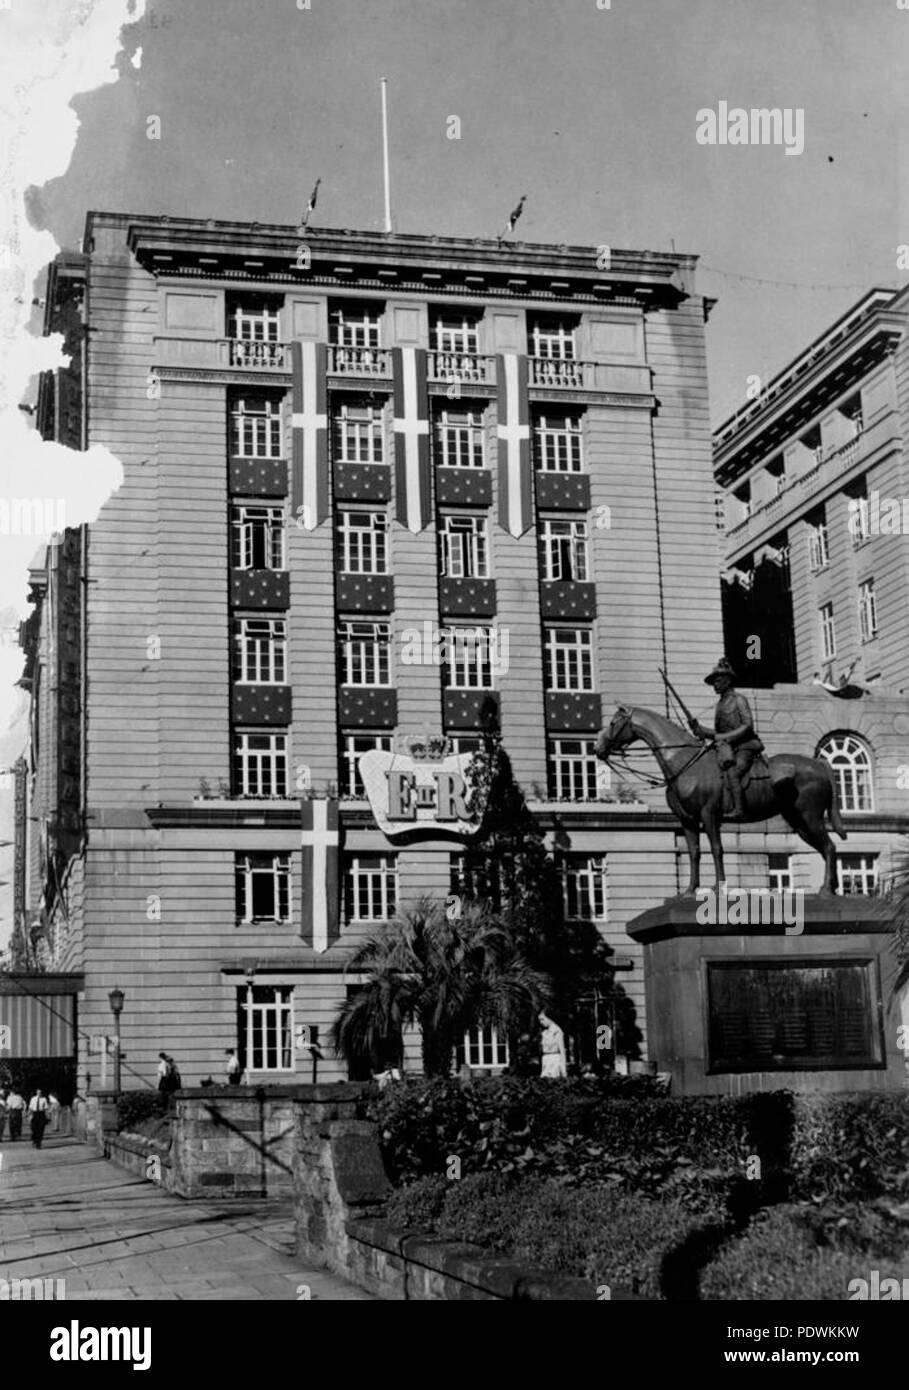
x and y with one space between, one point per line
696 770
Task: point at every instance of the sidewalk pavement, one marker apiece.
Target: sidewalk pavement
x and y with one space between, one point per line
67 1214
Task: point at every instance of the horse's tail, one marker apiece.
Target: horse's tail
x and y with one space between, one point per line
833 811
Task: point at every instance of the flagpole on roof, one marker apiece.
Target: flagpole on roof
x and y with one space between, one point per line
384 86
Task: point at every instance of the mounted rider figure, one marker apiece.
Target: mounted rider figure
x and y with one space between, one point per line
737 743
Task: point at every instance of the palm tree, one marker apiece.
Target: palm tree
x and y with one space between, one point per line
443 972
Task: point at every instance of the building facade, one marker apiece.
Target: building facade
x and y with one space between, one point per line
371 482
811 474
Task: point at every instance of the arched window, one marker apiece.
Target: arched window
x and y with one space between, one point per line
851 763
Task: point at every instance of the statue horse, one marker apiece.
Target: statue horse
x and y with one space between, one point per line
799 789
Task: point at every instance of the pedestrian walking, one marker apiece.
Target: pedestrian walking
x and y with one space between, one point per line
37 1110
168 1074
3 1094
15 1106
53 1113
234 1067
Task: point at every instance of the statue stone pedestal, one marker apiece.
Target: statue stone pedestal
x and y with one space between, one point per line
760 1006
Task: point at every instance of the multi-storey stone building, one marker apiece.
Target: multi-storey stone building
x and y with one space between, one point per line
812 472
336 446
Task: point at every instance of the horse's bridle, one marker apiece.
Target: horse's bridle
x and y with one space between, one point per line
644 776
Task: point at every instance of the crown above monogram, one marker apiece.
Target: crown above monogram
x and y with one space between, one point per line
432 748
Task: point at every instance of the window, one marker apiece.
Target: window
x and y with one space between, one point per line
260 650
563 550
455 873
859 515
354 325
818 544
851 763
255 428
263 887
482 1049
779 873
370 887
260 763
828 632
459 438
575 774
454 332
584 879
265 1027
256 537
557 443
463 545
857 874
353 745
465 743
569 659
365 653
552 338
358 433
361 543
467 658
253 320
867 606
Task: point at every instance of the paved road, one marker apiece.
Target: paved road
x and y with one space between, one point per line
66 1213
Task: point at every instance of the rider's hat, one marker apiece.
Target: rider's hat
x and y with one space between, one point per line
722 668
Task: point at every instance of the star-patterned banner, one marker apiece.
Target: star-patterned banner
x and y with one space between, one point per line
411 401
309 434
515 472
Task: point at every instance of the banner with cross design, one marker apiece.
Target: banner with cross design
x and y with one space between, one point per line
309 434
411 422
321 841
515 471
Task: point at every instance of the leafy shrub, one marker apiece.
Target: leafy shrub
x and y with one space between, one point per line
135 1106
595 1233
850 1146
799 1253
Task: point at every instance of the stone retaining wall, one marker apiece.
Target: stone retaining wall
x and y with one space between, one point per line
234 1141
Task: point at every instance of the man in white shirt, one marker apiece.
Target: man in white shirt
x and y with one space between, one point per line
37 1109
234 1067
15 1106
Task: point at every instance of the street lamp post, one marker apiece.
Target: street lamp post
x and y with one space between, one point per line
115 999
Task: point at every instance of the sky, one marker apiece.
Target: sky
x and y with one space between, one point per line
589 108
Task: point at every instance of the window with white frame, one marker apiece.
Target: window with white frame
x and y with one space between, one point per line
260 763
456 881
779 873
370 887
358 432
254 320
563 549
828 631
263 887
463 545
857 874
584 880
859 514
459 437
265 1031
467 658
852 771
354 325
569 659
256 536
362 542
465 743
867 606
352 748
451 331
552 338
365 653
818 543
260 651
255 427
482 1049
558 442
575 773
